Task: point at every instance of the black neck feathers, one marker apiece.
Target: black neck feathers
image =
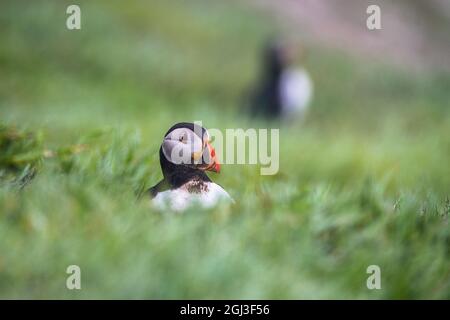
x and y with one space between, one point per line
176 175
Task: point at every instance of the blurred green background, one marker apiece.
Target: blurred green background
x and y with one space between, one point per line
364 180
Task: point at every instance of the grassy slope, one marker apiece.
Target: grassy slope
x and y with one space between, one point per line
365 181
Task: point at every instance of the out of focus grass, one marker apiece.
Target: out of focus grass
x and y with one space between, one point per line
365 180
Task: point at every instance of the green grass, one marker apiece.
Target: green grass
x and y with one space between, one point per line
365 180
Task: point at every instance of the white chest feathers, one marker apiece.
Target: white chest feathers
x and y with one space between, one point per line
296 92
193 193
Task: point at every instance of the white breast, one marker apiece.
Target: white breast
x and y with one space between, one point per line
296 92
181 199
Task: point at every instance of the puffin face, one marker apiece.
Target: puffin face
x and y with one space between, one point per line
189 145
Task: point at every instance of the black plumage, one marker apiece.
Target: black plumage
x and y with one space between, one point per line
265 100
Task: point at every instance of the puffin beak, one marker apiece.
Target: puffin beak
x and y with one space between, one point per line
214 166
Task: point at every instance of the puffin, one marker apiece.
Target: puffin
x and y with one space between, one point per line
284 91
185 155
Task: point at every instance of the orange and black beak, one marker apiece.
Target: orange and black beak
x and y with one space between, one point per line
213 163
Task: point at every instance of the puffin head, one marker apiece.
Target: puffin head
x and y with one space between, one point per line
278 55
186 150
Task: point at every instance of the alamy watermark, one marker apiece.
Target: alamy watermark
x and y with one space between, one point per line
73 21
373 21
374 280
73 281
232 146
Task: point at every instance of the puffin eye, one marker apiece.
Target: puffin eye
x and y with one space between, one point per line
183 138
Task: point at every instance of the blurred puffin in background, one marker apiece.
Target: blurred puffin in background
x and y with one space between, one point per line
185 156
283 91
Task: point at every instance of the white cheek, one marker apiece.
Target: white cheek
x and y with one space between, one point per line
179 146
177 152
